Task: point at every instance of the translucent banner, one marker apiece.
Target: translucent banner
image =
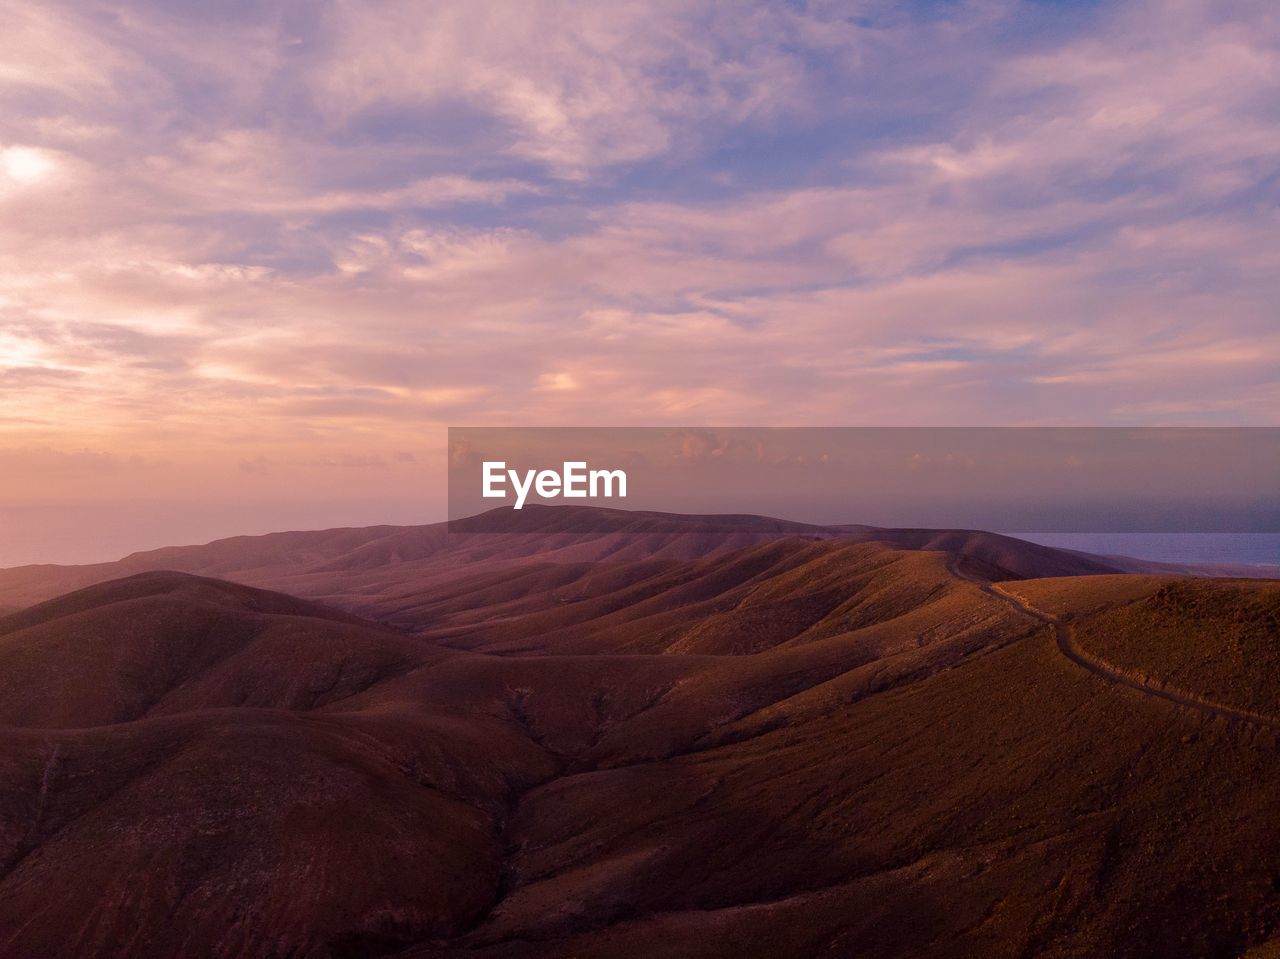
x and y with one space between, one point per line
1045 480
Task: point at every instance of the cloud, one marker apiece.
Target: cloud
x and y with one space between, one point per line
577 86
241 232
83 68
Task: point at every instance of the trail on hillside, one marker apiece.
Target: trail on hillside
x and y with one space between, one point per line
1067 646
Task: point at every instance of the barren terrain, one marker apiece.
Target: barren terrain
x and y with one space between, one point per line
694 736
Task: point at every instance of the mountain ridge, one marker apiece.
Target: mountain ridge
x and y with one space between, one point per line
298 562
800 744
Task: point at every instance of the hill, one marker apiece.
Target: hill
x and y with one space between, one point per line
158 643
172 784
377 571
801 744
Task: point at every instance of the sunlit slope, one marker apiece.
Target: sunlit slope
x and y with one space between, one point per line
1215 641
1014 805
202 768
802 745
746 601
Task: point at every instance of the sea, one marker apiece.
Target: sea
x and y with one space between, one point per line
1249 549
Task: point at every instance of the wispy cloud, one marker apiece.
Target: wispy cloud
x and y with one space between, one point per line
292 234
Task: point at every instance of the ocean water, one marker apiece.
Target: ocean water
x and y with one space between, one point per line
1251 549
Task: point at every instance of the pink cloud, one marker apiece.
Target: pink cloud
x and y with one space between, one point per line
309 240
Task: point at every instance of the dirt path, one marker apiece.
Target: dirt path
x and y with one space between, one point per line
1067 646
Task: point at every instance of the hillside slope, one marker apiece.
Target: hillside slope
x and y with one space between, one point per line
378 571
800 745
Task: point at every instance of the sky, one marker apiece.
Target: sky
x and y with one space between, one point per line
256 256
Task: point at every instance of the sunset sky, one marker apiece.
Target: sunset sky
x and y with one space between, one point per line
256 256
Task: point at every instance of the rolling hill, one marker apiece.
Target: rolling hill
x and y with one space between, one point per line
712 738
372 570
